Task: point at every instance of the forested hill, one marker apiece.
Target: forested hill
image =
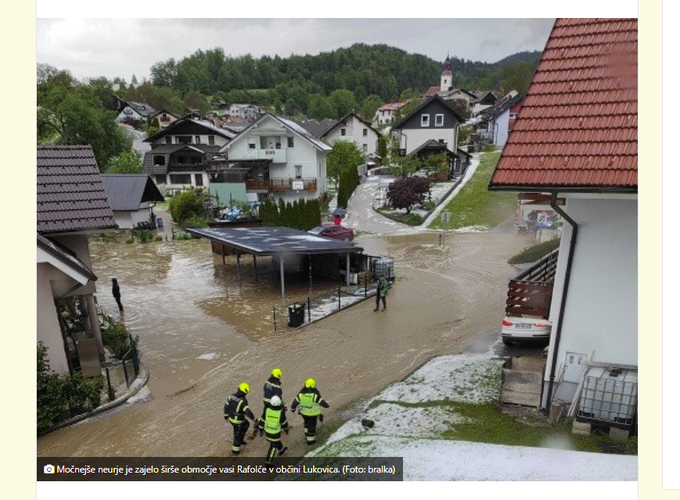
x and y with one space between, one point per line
526 56
380 70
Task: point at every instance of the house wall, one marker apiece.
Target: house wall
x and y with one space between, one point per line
302 153
229 191
601 312
48 329
502 130
354 133
411 139
78 243
127 219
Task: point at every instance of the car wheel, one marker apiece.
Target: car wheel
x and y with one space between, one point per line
346 240
508 341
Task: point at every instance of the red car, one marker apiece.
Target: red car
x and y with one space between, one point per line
334 231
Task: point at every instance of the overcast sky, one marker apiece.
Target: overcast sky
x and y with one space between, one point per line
123 47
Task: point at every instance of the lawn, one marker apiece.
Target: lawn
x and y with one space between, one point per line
475 205
533 253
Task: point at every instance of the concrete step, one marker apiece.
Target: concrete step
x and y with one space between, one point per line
521 387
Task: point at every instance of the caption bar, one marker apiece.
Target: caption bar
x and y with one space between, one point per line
219 469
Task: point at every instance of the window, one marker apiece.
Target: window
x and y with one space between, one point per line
298 171
365 132
438 120
364 147
159 160
424 120
278 145
168 139
291 142
180 178
211 140
199 179
160 179
343 131
251 145
182 139
197 139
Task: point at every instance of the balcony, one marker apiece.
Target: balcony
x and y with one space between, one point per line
275 155
281 185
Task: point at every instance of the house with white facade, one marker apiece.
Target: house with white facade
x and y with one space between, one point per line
498 120
433 121
274 157
134 112
576 138
353 128
132 198
245 111
386 113
71 204
182 153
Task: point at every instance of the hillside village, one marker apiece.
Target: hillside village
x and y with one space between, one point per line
242 235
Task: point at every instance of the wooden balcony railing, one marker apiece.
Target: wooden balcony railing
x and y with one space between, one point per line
530 292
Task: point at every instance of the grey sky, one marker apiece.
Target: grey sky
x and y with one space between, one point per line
123 47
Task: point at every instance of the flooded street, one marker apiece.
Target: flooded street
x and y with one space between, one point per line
201 333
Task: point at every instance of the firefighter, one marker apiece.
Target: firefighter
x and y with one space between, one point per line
237 413
272 387
310 401
274 422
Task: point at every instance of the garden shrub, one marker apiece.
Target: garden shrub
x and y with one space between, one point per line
63 396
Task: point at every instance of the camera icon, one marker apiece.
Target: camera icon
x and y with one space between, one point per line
48 469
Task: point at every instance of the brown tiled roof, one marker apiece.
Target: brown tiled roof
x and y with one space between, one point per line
71 195
577 129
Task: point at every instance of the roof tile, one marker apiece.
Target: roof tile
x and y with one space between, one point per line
578 124
70 193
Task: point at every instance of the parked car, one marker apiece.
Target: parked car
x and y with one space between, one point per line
516 330
334 231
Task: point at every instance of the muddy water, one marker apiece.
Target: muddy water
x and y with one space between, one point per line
202 332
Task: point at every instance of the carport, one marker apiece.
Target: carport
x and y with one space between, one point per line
280 242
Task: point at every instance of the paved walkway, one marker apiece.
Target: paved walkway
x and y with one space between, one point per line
362 217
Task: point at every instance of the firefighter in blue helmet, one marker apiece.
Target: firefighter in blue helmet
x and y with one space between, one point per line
237 413
310 402
272 387
275 422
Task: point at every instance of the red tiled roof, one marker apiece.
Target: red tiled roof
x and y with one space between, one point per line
70 194
432 90
577 128
393 105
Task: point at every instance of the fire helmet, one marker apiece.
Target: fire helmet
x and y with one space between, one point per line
277 373
310 383
244 387
275 401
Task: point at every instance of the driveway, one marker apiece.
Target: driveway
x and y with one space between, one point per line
362 217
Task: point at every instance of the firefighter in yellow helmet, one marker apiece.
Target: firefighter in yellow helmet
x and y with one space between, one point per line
310 402
272 387
274 422
237 413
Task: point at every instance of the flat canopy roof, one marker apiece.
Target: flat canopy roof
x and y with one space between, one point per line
275 240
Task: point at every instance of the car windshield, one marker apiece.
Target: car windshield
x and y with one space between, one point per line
317 229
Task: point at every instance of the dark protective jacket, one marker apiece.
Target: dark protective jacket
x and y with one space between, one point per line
274 422
272 387
310 402
115 290
236 408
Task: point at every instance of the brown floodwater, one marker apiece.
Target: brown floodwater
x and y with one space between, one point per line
202 332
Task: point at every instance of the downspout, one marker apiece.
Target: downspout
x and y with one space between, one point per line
565 289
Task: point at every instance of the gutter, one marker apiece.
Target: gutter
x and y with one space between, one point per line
565 289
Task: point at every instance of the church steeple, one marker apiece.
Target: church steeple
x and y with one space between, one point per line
447 76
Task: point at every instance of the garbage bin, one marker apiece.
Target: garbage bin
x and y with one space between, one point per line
159 223
296 315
